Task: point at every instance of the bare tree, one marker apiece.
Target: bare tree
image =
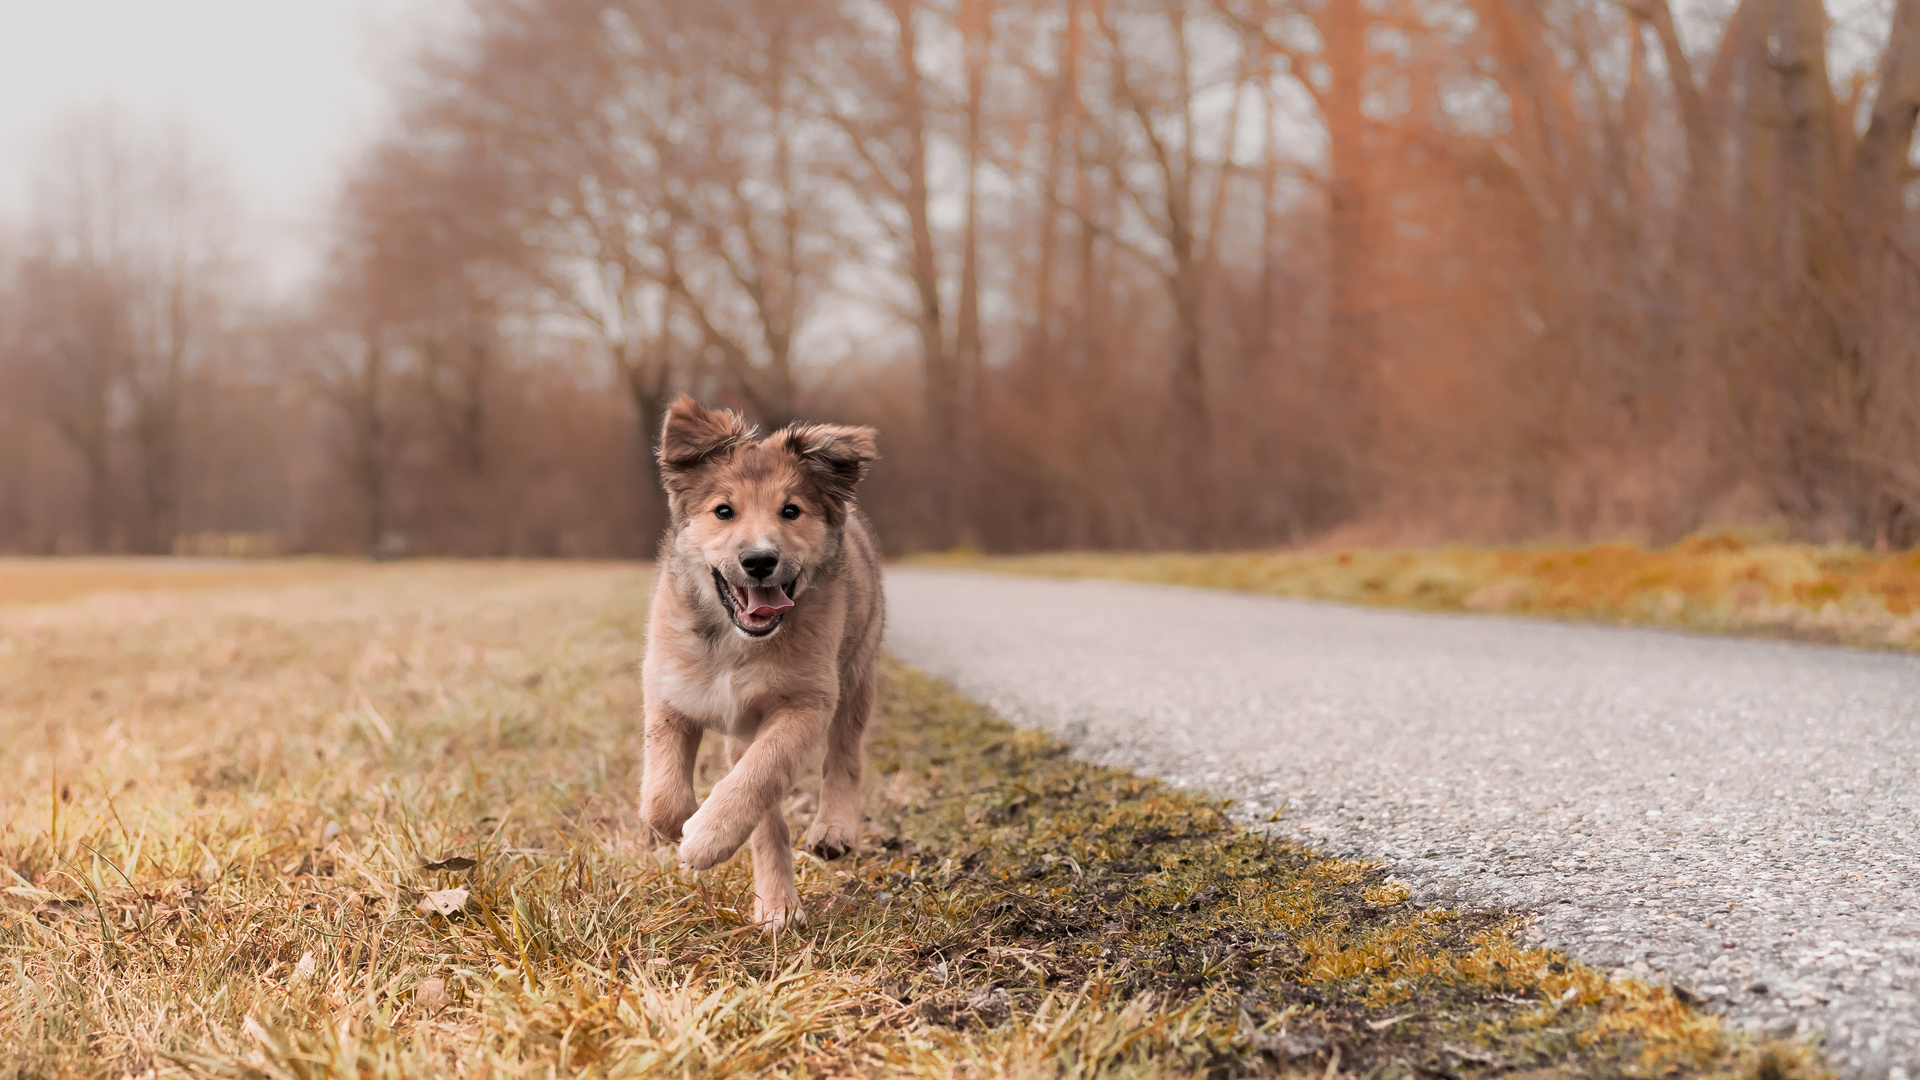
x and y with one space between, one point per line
1158 69
180 305
884 104
123 283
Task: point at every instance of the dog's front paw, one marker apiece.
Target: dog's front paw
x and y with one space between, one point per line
772 915
704 843
828 841
667 816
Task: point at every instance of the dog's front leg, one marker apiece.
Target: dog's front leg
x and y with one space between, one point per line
776 901
666 781
754 786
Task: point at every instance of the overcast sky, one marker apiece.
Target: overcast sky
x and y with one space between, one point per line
282 91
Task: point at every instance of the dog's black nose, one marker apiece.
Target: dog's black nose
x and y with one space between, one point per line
760 564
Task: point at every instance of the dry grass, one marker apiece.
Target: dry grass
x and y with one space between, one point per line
213 831
45 581
1717 583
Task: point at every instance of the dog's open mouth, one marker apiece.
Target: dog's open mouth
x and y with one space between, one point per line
756 609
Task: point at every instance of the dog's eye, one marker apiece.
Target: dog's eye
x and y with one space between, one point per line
789 511
723 512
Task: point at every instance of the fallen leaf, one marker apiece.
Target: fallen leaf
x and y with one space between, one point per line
431 995
448 902
1288 1046
306 967
992 1005
1473 1055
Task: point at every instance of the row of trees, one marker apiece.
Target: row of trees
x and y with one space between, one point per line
157 396
114 302
1106 273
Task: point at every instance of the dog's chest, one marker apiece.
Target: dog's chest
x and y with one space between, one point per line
720 696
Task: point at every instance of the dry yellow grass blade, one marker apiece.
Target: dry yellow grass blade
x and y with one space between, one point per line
224 810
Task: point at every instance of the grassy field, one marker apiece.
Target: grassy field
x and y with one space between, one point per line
41 581
233 816
1720 583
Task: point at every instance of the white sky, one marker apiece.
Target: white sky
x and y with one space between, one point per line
283 92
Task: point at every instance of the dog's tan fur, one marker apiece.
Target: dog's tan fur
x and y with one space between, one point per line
775 698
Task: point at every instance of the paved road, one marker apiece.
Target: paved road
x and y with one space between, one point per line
1737 817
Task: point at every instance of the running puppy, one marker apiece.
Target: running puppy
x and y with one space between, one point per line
765 628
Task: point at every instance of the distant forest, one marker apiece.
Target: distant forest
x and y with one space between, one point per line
1106 274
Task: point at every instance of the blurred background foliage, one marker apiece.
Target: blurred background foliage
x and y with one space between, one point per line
1144 274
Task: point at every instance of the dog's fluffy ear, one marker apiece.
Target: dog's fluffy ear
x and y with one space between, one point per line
837 456
692 436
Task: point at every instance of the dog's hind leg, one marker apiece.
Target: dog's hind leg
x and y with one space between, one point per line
837 824
761 776
666 782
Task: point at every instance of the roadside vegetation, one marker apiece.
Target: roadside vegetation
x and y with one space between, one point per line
1723 583
381 824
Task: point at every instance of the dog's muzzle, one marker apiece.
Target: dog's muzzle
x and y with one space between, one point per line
756 609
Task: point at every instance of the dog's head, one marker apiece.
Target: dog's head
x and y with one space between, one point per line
762 515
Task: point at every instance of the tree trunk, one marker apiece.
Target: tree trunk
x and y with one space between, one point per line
1259 349
941 374
156 433
1880 166
1038 365
1343 29
86 428
976 26
1811 143
1187 496
647 389
99 497
366 408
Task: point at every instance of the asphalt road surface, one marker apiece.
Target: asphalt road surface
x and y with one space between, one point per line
1735 817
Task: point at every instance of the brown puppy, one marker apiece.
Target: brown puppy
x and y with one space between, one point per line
765 628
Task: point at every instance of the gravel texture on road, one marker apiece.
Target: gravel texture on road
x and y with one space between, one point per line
1734 817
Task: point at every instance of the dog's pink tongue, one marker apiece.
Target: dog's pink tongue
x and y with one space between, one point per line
766 601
